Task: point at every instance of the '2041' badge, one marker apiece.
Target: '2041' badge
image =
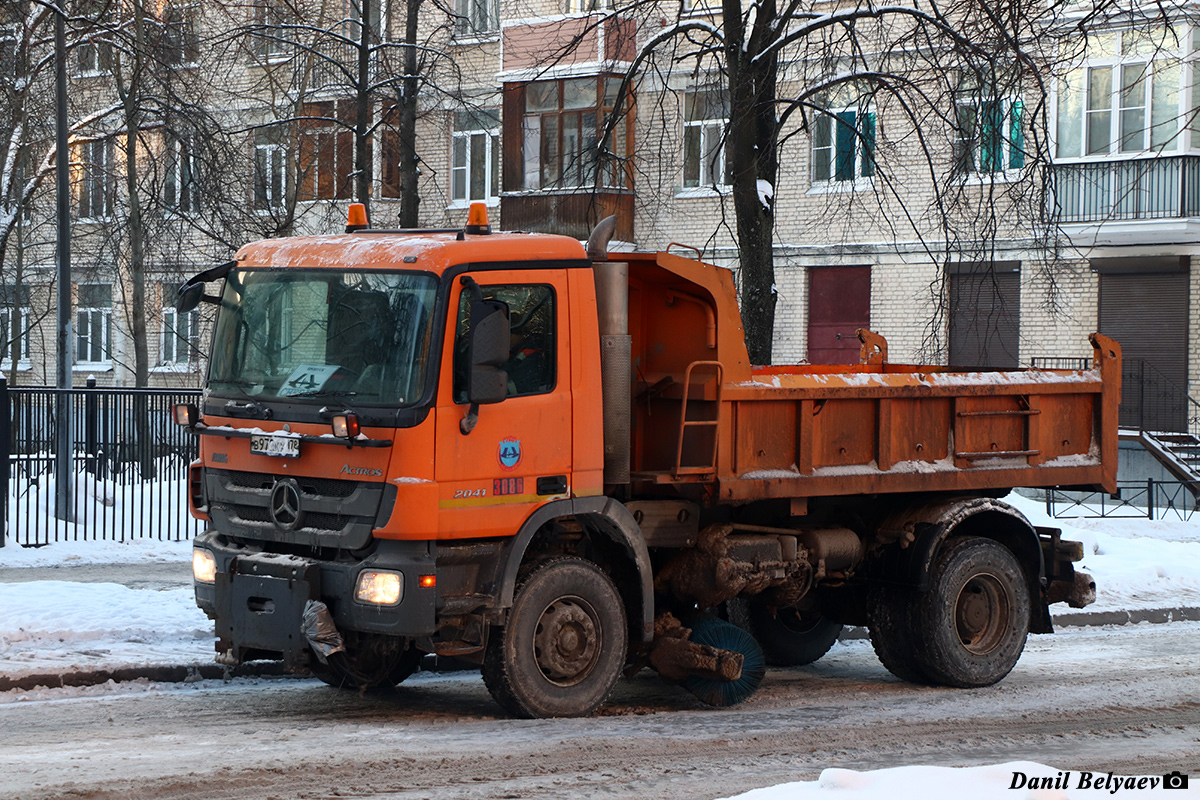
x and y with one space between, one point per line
510 453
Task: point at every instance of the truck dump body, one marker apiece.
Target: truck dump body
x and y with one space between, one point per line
870 428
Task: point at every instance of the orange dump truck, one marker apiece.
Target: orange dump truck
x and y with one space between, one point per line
560 465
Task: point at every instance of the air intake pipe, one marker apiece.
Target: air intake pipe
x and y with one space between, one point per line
616 348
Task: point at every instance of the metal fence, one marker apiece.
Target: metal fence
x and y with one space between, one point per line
129 466
1149 499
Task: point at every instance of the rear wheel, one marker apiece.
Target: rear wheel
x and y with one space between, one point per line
973 622
564 645
789 637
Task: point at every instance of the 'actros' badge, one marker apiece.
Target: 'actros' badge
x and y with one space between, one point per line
510 453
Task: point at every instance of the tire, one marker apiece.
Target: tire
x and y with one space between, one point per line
789 637
371 661
972 624
889 623
564 645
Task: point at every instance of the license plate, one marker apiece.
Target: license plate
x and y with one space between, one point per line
266 445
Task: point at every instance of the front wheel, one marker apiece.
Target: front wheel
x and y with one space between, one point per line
973 622
563 648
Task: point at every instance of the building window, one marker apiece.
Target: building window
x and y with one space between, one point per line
475 167
96 183
270 170
180 338
93 324
561 124
476 17
989 137
271 36
584 6
326 151
180 193
843 144
705 118
14 308
181 39
1127 96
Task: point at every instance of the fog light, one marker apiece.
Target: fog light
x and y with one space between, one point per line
379 588
204 566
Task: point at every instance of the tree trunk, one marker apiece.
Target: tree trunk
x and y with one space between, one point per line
406 125
752 152
362 122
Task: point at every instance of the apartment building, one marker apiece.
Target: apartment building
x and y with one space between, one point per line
522 105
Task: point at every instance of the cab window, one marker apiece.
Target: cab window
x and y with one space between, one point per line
531 339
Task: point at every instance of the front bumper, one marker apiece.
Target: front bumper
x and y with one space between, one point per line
257 598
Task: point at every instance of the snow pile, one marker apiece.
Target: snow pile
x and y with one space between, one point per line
1016 780
1137 563
69 553
57 626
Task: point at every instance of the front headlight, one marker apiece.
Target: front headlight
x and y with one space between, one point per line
379 588
204 566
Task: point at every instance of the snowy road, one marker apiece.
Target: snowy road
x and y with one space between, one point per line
1124 700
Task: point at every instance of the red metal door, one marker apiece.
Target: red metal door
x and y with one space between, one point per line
839 302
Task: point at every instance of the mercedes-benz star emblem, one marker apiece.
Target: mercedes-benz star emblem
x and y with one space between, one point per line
285 504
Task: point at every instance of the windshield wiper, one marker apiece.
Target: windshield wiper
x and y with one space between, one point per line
321 393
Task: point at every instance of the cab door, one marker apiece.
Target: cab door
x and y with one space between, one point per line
518 456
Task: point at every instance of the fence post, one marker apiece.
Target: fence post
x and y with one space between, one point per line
5 443
1150 498
91 422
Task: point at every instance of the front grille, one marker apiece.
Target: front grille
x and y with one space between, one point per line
338 514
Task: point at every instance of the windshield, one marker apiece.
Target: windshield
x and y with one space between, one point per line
319 333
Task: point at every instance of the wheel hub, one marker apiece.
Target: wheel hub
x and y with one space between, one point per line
982 614
566 642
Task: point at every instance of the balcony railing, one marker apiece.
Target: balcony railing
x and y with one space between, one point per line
1165 187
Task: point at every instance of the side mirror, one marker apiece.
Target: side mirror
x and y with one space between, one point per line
487 351
187 297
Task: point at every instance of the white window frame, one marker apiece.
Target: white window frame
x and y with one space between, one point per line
24 314
586 6
476 19
274 157
712 169
180 194
1012 147
186 28
271 14
829 120
86 318
171 341
97 181
462 161
1117 56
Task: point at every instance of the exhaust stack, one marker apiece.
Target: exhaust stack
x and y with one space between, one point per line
616 348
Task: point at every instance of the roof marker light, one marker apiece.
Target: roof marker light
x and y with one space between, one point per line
477 219
356 218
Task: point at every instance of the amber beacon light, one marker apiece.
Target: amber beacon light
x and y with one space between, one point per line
356 218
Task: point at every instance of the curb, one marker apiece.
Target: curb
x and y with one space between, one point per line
260 669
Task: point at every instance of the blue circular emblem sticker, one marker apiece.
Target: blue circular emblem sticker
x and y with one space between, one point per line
510 453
